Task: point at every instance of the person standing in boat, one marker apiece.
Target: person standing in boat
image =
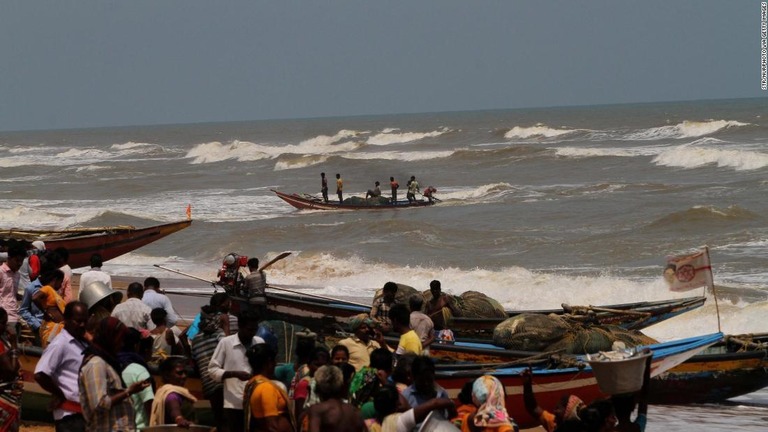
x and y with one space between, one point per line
381 305
439 306
413 189
256 286
9 284
339 188
95 274
394 186
324 186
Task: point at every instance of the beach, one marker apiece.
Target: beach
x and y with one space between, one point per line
539 207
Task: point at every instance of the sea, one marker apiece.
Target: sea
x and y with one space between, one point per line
538 207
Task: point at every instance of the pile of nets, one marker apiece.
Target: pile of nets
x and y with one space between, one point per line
360 201
537 332
472 304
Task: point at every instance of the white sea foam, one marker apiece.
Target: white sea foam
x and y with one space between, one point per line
247 151
391 136
689 156
586 152
539 130
483 193
400 156
686 129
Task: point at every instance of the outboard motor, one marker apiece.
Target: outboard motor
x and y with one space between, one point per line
231 277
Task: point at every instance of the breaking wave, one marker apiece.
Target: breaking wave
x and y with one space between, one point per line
587 152
686 129
690 156
539 130
393 136
706 214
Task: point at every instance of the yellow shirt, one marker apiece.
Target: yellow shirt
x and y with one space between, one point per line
409 342
359 351
339 185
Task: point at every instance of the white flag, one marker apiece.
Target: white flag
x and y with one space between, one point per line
688 272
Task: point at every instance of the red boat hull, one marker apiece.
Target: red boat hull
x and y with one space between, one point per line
311 203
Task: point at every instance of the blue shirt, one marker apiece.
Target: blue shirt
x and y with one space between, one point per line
28 309
156 300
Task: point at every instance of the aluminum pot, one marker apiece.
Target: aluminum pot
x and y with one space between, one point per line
96 292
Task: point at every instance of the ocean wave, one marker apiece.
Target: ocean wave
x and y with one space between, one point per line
392 136
686 129
689 156
400 156
484 193
588 152
706 214
539 130
298 162
245 151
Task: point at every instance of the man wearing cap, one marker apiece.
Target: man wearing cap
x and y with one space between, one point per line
95 274
9 283
360 344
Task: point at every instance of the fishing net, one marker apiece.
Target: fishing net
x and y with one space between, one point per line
536 332
478 305
375 201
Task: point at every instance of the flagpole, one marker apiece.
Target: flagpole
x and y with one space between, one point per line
711 281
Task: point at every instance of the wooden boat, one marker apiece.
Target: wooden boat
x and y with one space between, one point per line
320 313
734 367
311 202
549 384
110 242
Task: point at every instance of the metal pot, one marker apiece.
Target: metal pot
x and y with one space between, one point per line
96 292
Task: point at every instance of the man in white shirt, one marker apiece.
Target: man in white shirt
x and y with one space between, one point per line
59 366
229 364
95 274
155 299
133 312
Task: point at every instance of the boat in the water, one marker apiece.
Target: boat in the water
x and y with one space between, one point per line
311 202
734 367
549 384
109 241
317 312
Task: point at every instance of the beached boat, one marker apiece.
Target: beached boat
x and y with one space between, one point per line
320 313
734 367
110 241
311 202
548 384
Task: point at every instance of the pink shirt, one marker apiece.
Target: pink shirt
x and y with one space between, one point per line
9 281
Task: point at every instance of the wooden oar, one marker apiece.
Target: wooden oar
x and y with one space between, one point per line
274 260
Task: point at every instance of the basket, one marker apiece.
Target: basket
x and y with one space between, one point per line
619 376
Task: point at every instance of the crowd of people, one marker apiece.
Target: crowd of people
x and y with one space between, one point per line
96 367
375 193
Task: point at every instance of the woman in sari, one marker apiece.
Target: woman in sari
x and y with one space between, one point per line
173 403
10 382
266 404
48 300
491 415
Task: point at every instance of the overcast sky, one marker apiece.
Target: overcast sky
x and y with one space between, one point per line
66 64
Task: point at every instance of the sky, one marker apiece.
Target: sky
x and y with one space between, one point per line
101 63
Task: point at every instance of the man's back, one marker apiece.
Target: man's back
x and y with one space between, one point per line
335 415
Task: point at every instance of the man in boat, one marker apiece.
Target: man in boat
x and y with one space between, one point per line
59 366
324 186
394 186
421 323
30 268
95 274
381 306
256 286
440 308
413 189
339 188
155 299
428 193
375 192
361 343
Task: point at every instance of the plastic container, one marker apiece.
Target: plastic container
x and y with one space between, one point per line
437 423
619 376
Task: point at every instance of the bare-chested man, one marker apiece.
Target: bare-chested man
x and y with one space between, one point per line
436 305
331 413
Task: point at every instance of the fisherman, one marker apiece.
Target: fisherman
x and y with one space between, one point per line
256 286
394 185
133 312
439 306
413 189
375 192
324 186
428 192
381 305
9 284
339 188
